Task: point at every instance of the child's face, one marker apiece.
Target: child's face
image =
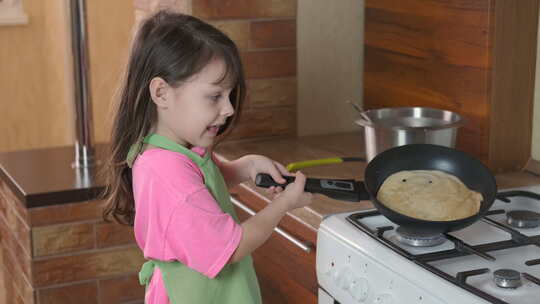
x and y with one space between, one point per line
193 112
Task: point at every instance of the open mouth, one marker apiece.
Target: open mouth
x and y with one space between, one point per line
214 129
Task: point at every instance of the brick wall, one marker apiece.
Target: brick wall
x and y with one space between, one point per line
265 33
65 254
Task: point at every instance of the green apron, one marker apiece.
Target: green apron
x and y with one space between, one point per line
237 282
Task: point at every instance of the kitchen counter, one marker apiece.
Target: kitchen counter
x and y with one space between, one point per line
45 177
292 149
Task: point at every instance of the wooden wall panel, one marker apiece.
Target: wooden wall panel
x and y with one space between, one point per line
475 58
423 53
33 105
512 91
36 107
110 26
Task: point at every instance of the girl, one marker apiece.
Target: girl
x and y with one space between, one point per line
184 88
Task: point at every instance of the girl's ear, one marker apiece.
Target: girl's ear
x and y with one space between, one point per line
158 91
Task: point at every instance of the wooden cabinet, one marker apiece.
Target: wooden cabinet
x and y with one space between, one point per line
286 272
473 57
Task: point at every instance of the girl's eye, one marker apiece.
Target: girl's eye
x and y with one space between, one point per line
215 97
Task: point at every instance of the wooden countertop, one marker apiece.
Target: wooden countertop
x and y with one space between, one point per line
293 149
43 177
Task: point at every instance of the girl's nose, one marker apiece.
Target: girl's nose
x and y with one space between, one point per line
227 109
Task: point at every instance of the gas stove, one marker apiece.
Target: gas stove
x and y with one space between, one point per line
362 257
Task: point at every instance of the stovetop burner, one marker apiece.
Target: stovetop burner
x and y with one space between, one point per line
507 278
523 219
418 238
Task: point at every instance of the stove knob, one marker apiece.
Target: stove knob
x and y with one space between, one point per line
384 299
330 272
335 275
359 289
346 279
342 277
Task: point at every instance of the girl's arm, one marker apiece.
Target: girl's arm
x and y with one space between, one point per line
246 168
258 228
233 171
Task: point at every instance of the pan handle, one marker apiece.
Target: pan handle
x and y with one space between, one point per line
341 189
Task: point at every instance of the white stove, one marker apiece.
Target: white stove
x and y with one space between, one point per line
362 259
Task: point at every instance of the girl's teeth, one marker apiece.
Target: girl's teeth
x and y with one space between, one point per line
213 129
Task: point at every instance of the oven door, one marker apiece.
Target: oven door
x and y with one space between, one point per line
325 298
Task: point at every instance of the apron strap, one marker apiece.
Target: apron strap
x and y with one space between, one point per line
165 143
146 272
134 150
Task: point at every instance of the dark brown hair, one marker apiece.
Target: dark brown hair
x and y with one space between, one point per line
174 47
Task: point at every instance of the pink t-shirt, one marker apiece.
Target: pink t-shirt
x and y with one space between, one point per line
177 218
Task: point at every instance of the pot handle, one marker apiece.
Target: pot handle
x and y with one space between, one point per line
341 189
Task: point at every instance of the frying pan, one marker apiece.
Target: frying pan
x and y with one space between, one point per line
408 157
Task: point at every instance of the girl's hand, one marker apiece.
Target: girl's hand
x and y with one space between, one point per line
261 164
294 195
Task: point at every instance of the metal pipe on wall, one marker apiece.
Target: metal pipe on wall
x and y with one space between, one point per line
84 151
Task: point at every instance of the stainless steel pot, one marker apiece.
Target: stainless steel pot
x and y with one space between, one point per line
391 127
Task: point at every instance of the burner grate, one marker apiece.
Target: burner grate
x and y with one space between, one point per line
517 236
505 196
531 278
461 279
532 262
